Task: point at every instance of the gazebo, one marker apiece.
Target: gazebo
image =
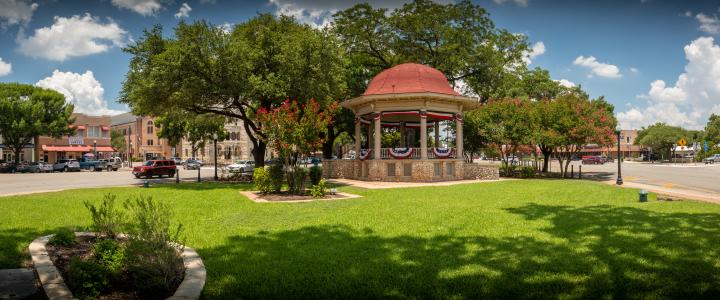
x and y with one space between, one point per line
410 99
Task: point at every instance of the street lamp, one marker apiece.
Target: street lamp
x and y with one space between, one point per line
619 180
131 154
95 149
215 137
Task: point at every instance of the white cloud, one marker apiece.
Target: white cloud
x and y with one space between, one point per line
82 90
71 37
708 24
566 83
536 50
598 68
5 68
688 102
634 70
184 11
687 14
143 7
226 27
319 13
14 12
523 3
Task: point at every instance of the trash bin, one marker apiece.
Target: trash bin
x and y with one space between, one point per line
643 196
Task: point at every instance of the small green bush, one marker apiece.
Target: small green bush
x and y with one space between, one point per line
296 180
111 255
106 218
262 180
277 175
63 237
318 190
315 174
87 278
527 172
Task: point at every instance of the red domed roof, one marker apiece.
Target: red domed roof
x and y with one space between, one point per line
410 78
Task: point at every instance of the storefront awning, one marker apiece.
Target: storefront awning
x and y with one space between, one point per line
66 148
104 149
80 127
105 128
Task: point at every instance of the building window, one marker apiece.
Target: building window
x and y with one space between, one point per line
149 142
628 140
94 131
150 127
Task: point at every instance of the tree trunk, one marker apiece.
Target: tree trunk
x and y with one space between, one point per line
546 151
259 153
327 147
17 151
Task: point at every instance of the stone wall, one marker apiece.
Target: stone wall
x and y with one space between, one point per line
422 171
481 171
339 168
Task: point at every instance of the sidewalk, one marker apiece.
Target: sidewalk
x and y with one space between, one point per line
672 192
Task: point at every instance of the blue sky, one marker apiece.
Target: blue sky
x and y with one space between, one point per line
654 60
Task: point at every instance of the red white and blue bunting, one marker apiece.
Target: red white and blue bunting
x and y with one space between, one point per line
364 154
443 152
400 153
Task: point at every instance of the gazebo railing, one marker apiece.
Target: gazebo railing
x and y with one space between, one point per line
385 154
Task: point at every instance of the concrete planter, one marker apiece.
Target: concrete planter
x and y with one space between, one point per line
55 288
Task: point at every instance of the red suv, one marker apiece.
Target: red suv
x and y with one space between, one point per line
594 160
155 167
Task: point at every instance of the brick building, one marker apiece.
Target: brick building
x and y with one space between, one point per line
236 146
141 140
627 146
91 137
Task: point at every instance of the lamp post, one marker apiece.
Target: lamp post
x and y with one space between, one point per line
131 155
619 180
95 149
215 137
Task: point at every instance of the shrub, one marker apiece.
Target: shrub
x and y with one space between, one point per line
318 190
111 255
527 172
87 278
276 176
296 180
262 180
153 251
106 218
63 237
315 174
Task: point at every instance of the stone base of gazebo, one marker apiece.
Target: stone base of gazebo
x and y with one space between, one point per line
408 170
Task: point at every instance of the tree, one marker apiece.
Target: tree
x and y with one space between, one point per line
578 122
712 129
476 134
196 129
204 70
29 111
117 140
660 137
293 129
458 39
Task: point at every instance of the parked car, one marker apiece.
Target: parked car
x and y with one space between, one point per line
607 158
715 158
92 164
241 166
65 165
155 167
178 161
651 157
592 160
112 164
45 167
192 164
8 167
34 167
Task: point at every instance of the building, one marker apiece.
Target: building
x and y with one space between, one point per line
91 139
627 146
7 154
141 140
236 147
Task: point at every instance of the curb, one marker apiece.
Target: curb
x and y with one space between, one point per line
55 288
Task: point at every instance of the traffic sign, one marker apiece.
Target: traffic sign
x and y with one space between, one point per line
682 142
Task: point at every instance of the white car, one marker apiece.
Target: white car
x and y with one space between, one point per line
712 159
241 166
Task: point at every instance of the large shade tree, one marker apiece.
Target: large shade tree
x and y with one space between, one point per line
660 138
29 111
205 70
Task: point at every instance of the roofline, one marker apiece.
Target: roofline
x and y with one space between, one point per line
467 102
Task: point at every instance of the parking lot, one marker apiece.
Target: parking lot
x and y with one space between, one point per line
22 183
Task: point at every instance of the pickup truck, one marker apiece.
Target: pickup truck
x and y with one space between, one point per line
92 164
715 158
112 164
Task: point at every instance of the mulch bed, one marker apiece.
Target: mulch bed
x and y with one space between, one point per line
61 256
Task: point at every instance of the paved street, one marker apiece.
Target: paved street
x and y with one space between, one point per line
28 183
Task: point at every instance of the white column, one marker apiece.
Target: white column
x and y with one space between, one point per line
459 135
378 132
423 135
370 139
358 137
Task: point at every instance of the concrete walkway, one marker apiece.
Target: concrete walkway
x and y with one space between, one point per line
673 192
17 283
392 185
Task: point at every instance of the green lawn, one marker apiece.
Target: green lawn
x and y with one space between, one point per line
511 239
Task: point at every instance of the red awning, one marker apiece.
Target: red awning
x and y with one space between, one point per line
103 149
80 127
105 128
66 148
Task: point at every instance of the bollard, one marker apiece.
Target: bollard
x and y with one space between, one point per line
177 176
580 172
198 173
572 171
146 183
643 196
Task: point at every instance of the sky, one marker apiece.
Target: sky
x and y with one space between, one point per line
656 61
